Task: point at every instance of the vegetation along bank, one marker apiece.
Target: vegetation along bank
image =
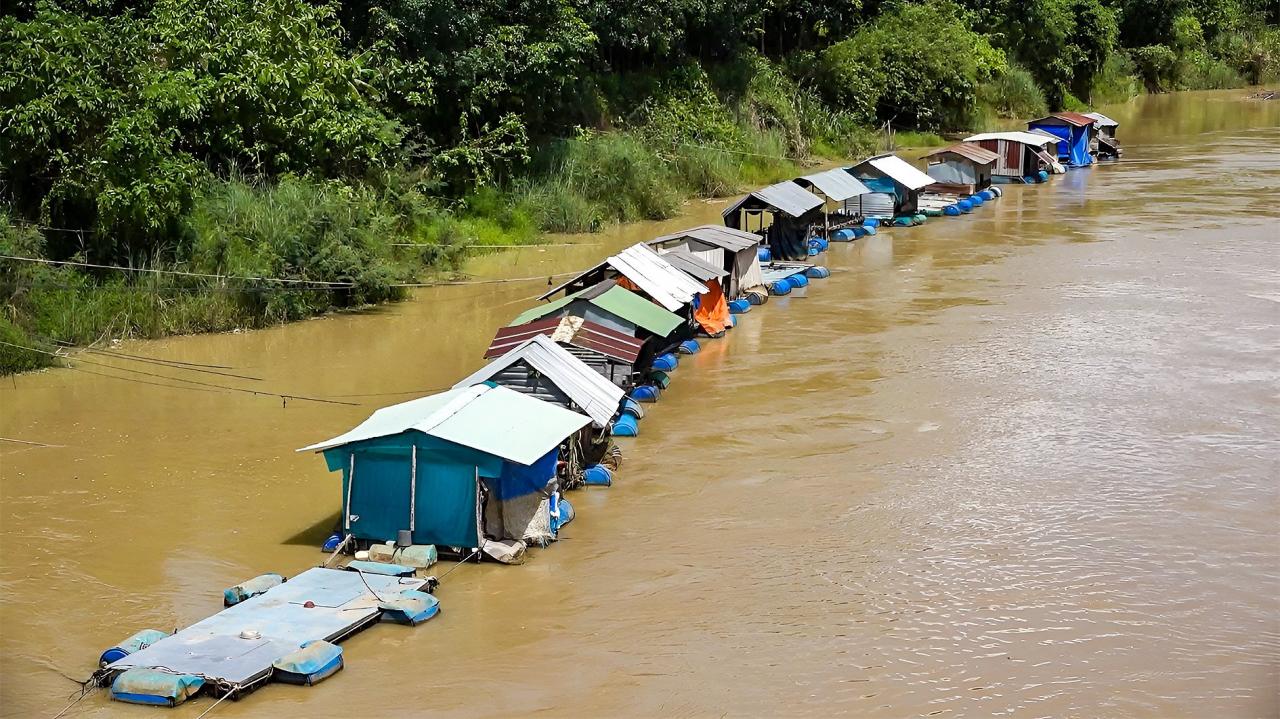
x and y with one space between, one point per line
258 162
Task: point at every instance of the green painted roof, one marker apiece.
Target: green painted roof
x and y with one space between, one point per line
621 302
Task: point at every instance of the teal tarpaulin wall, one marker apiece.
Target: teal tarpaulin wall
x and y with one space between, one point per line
445 510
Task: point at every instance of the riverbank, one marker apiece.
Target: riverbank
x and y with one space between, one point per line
962 415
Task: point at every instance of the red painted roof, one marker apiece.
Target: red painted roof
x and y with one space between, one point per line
588 335
970 151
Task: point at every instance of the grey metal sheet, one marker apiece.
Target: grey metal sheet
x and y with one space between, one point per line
727 238
694 266
836 184
212 647
787 197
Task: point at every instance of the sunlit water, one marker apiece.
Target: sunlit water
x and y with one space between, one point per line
1020 463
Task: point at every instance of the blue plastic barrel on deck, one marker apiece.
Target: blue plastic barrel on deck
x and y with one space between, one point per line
965 206
871 222
644 393
598 475
951 211
630 407
1043 175
870 229
780 287
986 195
843 235
757 298
625 426
996 191
798 280
976 200
739 306
902 221
690 347
666 362
860 231
764 254
331 544
817 273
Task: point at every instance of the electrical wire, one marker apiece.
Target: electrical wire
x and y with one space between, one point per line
164 363
182 273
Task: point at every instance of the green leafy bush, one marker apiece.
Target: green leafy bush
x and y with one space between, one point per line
1013 92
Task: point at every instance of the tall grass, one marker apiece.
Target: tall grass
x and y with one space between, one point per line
1013 93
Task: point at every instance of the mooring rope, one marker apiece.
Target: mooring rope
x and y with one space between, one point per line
234 688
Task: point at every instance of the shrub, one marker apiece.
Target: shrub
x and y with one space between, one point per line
1157 66
1013 93
1117 81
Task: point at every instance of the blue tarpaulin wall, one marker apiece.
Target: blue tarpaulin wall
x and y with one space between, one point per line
445 511
1073 148
518 480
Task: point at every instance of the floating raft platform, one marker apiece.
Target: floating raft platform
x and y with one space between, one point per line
236 650
778 275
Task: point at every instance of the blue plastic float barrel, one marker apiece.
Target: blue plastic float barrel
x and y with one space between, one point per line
902 221
798 280
625 426
860 231
813 252
632 407
566 513
689 347
780 287
331 543
666 362
645 393
871 222
764 254
817 273
951 211
918 219
739 306
870 229
844 235
986 195
598 475
976 200
965 206
135 643
1043 175
996 191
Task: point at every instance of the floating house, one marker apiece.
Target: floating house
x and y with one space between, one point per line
1020 156
783 214
734 250
961 169
1105 143
470 469
542 368
641 270
711 308
609 352
842 196
616 308
891 175
1075 133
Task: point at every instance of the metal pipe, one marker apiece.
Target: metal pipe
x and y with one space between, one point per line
413 488
351 479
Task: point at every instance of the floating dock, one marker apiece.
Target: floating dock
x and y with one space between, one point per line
235 650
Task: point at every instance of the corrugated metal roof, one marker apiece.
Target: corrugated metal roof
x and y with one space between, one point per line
970 151
1102 120
1071 118
724 237
836 184
1025 138
694 266
899 171
621 302
667 285
495 420
597 396
785 197
574 331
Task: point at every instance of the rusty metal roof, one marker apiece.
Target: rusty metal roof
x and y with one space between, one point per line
969 151
1071 118
570 330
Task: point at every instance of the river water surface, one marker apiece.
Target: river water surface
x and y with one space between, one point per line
1021 463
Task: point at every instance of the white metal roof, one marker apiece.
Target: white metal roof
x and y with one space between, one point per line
901 171
836 184
1025 138
667 285
786 197
496 420
588 389
694 266
1102 119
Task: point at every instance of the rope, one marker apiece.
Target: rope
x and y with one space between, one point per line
341 546
165 363
85 691
526 246
366 584
462 561
33 444
181 273
234 688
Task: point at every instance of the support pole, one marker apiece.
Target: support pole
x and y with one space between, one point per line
346 507
413 489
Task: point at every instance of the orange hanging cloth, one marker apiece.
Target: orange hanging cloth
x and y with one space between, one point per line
713 310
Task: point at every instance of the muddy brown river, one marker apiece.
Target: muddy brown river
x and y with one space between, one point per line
1023 463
